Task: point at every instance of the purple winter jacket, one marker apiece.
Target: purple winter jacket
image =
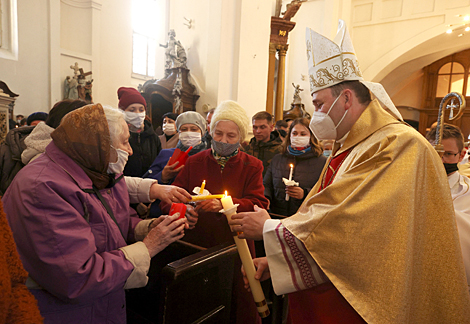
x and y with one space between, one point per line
67 241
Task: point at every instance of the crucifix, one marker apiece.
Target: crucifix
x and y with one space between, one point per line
75 68
84 74
452 106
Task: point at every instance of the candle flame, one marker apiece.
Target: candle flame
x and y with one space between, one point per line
204 181
291 165
226 193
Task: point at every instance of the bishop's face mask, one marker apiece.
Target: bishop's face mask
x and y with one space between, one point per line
118 166
323 126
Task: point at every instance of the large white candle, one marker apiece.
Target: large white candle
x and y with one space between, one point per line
247 261
290 178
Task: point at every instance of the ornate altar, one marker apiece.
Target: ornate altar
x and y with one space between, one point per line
173 93
297 109
7 104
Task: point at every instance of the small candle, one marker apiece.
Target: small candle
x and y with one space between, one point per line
198 198
201 191
291 170
227 202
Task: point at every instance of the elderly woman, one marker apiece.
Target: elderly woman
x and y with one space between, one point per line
190 126
169 138
70 217
225 168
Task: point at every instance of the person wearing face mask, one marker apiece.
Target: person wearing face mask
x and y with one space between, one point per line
190 126
302 150
454 152
225 168
170 137
79 240
144 141
377 233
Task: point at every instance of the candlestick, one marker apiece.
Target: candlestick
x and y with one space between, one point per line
229 210
201 191
198 198
290 178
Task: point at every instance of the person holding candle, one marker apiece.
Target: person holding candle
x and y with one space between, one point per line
301 150
76 235
225 168
375 240
190 126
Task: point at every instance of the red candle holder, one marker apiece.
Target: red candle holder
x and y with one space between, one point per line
178 208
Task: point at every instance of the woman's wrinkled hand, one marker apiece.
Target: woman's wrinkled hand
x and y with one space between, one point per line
169 194
166 231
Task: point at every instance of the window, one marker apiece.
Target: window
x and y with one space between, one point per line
148 28
450 79
8 30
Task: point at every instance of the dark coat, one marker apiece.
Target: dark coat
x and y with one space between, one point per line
264 151
10 155
307 170
145 147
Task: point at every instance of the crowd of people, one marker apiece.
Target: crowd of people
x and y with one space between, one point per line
352 212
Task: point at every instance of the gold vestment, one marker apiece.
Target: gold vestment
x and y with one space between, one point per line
384 230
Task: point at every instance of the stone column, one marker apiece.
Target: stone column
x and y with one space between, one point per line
281 74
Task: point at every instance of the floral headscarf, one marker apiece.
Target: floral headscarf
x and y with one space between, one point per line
84 136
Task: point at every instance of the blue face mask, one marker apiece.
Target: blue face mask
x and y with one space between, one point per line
327 153
224 149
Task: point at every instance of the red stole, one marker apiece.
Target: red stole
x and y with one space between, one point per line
323 304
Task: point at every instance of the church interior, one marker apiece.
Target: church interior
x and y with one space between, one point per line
417 49
249 51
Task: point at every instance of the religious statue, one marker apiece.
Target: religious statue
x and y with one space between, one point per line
297 93
175 55
78 86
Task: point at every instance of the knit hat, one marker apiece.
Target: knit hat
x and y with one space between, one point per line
170 115
191 117
129 96
231 110
36 116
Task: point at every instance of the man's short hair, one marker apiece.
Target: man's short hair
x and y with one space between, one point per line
281 123
449 131
263 115
361 91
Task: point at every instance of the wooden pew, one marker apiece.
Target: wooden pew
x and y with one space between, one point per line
187 284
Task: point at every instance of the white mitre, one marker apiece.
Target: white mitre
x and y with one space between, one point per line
332 62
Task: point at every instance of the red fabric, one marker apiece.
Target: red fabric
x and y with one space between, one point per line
242 179
129 96
324 303
333 165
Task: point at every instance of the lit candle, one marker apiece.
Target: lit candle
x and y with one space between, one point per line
198 198
227 202
290 178
201 191
247 261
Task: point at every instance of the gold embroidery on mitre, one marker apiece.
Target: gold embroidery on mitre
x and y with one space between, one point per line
335 74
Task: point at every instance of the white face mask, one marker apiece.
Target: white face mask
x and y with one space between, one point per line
118 166
169 129
190 138
135 119
323 126
299 141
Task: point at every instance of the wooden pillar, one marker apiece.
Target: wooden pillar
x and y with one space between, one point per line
281 74
271 70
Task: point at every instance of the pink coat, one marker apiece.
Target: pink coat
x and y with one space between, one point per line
67 241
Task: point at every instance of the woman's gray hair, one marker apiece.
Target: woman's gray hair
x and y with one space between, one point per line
116 128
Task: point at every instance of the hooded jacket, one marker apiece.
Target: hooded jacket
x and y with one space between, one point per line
264 151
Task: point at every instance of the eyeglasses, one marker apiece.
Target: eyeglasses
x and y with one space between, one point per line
450 154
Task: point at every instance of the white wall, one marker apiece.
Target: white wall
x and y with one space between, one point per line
29 75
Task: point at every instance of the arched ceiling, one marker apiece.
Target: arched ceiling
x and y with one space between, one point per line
400 72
